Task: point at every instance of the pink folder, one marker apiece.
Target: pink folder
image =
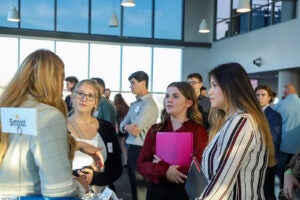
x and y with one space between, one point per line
175 148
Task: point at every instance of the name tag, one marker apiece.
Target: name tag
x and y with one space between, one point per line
137 109
19 120
110 147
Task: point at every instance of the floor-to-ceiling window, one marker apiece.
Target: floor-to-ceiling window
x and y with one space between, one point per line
111 62
79 32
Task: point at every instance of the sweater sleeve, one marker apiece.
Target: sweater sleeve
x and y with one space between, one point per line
50 150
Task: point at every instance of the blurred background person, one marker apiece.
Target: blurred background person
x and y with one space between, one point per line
107 93
289 109
265 97
105 109
121 109
180 114
195 79
71 81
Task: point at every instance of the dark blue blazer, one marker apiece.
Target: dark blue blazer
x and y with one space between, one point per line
275 122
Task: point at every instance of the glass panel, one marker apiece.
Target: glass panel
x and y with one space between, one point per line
166 61
102 11
138 20
135 59
223 9
37 14
27 46
285 10
261 17
168 19
244 22
8 60
259 3
4 9
222 30
72 16
105 64
75 57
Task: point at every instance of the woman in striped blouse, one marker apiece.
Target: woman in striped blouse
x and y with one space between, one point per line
241 147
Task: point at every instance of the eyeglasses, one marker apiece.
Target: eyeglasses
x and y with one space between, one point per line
193 82
89 97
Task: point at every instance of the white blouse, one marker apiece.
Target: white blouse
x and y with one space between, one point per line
81 159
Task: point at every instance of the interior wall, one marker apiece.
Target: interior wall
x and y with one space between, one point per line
277 45
196 60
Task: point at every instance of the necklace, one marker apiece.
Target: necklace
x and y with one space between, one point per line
84 133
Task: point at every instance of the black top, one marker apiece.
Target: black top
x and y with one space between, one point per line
204 107
113 164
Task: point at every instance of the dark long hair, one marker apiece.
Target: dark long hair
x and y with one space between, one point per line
239 95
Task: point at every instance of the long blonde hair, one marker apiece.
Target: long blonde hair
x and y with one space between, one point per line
239 94
41 75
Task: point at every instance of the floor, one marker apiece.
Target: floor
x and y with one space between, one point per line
123 187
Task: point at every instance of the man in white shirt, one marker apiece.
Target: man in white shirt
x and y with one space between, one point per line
141 116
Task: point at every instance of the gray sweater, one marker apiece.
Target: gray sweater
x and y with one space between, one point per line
45 168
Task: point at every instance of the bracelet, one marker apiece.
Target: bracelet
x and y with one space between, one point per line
288 172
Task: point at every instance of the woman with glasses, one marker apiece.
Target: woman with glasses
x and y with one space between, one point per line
100 133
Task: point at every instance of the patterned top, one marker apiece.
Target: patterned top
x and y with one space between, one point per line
235 161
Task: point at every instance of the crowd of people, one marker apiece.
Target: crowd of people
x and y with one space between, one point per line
241 139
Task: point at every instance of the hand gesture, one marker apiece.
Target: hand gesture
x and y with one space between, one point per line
94 152
289 183
82 180
87 173
174 175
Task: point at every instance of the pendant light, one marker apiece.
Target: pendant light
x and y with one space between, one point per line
243 6
113 22
203 28
128 3
13 15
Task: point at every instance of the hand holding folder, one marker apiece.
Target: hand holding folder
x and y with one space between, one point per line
196 181
175 148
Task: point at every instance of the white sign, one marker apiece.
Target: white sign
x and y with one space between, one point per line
19 120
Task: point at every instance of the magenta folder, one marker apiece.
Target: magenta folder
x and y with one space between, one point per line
175 148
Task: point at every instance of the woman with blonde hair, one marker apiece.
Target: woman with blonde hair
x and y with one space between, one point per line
84 127
44 166
241 146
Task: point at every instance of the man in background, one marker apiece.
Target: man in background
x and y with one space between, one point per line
195 79
141 115
105 109
71 81
107 93
289 109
